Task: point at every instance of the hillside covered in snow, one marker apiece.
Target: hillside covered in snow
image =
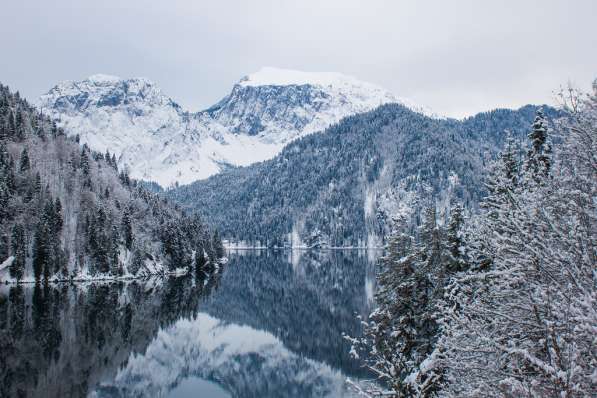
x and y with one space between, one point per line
159 141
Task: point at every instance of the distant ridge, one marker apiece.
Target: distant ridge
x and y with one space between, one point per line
159 141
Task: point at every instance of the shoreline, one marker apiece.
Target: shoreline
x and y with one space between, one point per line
113 278
232 248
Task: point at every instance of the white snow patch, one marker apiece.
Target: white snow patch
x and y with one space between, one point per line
7 263
368 206
370 289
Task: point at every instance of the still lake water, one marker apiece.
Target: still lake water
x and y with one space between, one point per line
269 324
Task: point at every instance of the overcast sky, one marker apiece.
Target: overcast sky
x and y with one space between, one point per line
457 57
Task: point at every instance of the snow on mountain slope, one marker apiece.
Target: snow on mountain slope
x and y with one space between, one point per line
278 105
159 141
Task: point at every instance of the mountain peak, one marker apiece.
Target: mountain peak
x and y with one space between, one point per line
270 76
103 90
110 80
366 95
101 78
103 82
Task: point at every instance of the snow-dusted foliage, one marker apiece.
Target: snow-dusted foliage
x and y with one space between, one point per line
524 325
400 341
67 212
517 314
159 141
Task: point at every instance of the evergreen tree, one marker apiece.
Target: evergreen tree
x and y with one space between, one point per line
173 246
10 176
41 255
73 162
3 155
127 229
124 177
85 162
426 285
3 128
4 247
208 247
114 240
200 260
538 162
455 245
4 201
502 180
17 268
19 126
217 245
502 184
37 185
11 128
401 333
25 164
58 217
136 262
91 241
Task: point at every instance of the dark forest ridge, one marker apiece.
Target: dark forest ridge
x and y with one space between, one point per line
341 187
68 213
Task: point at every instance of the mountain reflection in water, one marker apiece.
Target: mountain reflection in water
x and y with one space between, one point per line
268 325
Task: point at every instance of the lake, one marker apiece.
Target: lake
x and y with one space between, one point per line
269 324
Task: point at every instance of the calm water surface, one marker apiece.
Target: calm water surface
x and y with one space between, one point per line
268 325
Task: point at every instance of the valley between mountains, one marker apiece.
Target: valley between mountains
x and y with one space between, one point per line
290 158
116 206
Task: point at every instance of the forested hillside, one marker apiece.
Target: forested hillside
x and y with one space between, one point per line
67 212
502 304
340 187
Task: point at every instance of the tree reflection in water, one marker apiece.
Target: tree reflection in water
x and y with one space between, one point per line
102 338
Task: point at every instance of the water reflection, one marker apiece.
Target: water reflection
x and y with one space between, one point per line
195 387
307 306
60 340
268 326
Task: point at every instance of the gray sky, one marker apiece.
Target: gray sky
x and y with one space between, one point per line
457 57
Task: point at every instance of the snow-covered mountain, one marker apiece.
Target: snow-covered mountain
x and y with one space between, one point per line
158 140
280 105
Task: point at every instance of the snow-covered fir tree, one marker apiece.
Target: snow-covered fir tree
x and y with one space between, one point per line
538 161
400 343
523 326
